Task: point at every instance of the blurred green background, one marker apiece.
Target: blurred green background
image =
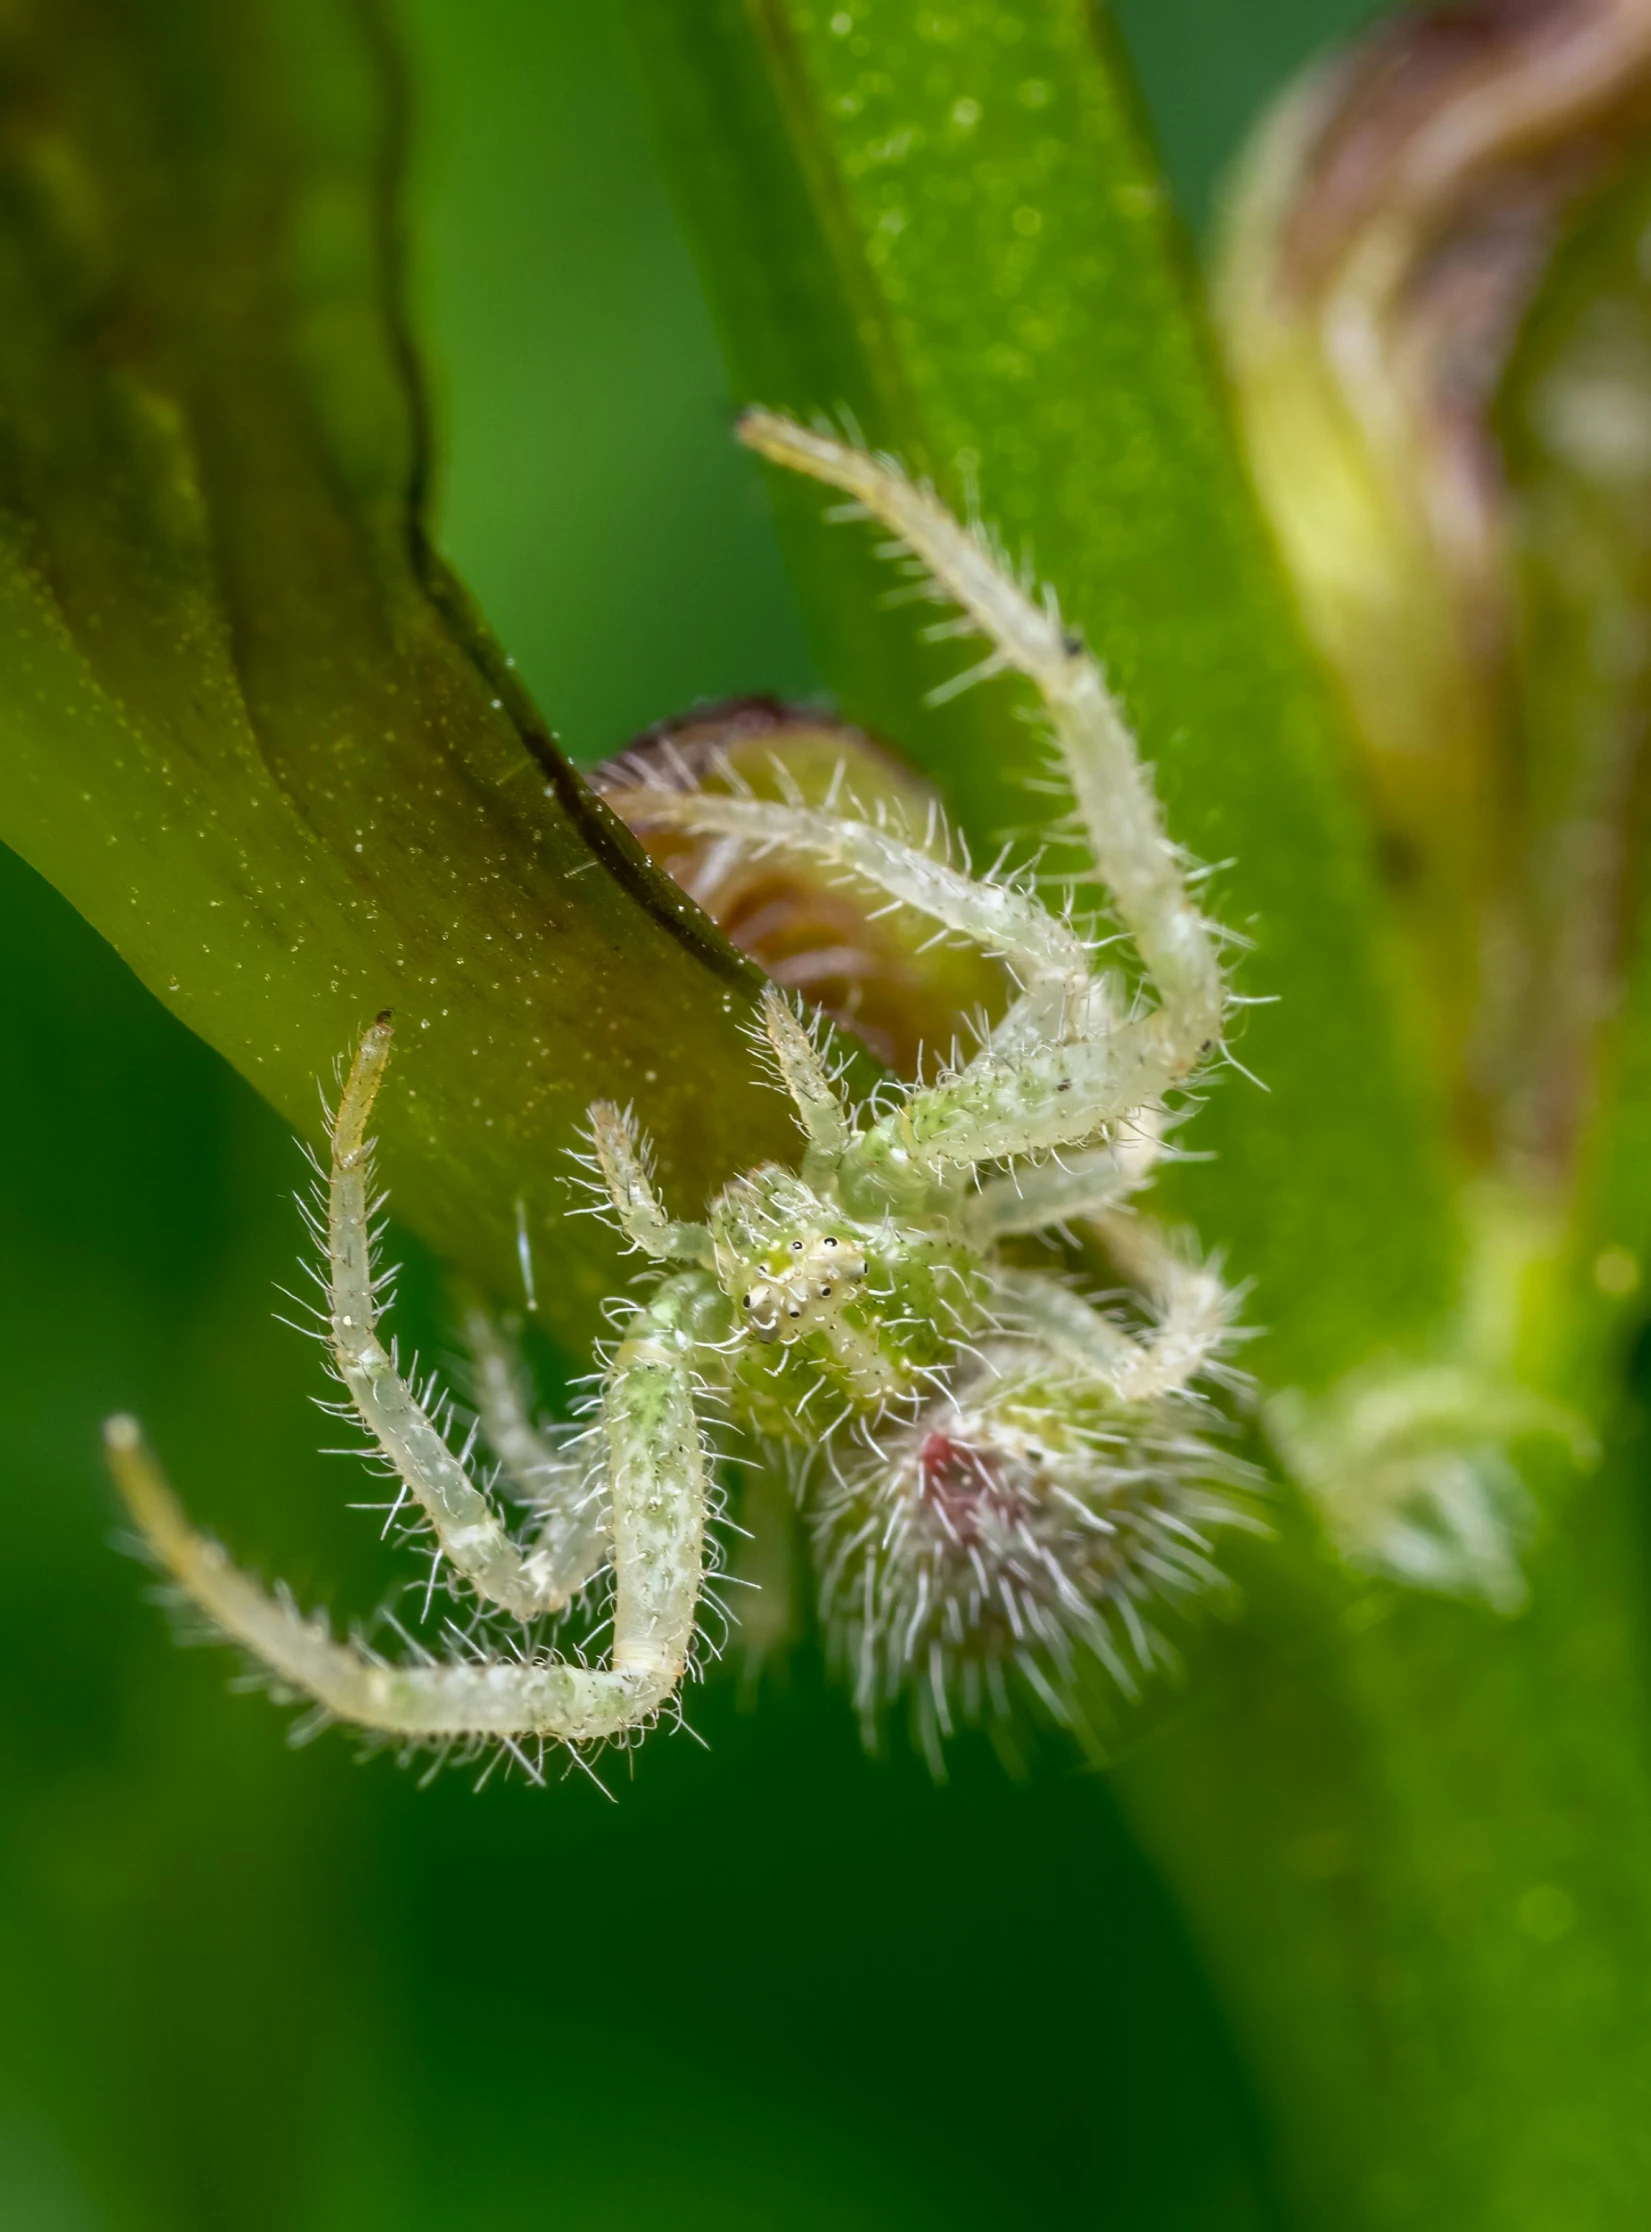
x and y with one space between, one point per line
244 1989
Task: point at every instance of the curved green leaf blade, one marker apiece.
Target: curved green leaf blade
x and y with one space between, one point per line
252 729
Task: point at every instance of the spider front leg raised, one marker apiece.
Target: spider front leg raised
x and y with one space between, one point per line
1114 796
656 1497
1064 1065
1014 1099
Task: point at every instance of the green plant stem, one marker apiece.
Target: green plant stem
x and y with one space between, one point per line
1414 1841
1411 1836
949 225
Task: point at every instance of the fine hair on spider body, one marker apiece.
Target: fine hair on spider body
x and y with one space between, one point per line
1011 1471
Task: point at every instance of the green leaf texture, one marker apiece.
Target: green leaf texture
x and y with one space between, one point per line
252 729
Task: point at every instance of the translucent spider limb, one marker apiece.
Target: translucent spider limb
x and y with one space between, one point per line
1064 1094
1193 1304
623 1162
805 1075
1050 1012
470 1533
1060 997
658 1537
1194 1313
1077 1188
1072 1331
1121 816
557 1475
657 1483
1012 925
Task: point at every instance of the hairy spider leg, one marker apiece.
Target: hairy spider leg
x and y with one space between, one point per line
622 1157
1042 952
1194 1320
1193 1304
1121 1065
657 1482
658 1561
1073 1190
1058 996
469 1531
1013 1104
558 1475
807 1079
623 1162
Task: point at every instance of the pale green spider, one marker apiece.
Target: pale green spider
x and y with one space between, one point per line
1011 1472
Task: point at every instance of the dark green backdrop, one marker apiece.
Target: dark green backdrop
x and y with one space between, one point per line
243 1989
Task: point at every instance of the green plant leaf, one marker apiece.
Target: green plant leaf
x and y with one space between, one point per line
253 730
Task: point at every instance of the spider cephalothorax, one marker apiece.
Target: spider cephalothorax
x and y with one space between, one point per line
1007 1474
804 1285
867 1305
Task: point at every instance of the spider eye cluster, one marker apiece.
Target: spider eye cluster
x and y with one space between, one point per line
811 1279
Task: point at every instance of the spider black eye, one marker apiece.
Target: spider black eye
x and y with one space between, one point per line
825 1290
796 1310
746 1304
830 1243
796 1247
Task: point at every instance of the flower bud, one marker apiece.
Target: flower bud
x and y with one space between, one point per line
878 972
